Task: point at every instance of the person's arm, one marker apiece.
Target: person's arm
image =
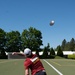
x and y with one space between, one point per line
18 53
26 71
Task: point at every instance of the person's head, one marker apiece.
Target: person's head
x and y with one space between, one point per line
27 52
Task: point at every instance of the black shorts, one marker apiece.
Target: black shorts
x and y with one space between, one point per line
41 73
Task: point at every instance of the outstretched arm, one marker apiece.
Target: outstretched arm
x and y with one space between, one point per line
18 53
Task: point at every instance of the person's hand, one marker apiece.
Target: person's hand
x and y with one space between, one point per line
14 53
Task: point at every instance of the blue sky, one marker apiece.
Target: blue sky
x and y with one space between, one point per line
22 14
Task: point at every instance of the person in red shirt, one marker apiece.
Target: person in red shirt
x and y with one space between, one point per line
33 63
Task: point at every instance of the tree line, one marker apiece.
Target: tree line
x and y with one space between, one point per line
14 41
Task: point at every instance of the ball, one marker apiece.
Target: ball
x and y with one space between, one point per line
52 23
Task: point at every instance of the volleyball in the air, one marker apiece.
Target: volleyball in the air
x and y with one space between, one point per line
52 23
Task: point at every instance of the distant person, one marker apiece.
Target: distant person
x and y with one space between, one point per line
33 63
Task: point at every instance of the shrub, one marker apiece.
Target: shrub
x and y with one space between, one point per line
71 56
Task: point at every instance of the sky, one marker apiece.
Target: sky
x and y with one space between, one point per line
18 15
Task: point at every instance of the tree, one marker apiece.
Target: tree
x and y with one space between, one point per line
2 41
2 38
67 46
48 47
31 38
59 51
52 52
63 44
72 44
13 42
45 52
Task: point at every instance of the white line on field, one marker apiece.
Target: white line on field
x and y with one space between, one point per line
53 67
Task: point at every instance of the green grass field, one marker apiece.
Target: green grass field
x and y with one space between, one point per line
52 66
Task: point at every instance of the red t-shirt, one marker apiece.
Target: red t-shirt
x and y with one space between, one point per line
34 64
